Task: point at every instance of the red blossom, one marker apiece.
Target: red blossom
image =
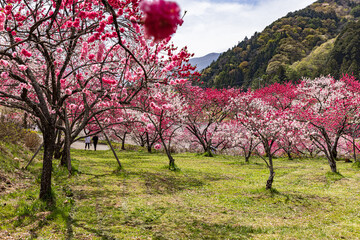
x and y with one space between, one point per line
115 3
26 53
161 18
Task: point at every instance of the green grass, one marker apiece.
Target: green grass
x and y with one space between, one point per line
208 198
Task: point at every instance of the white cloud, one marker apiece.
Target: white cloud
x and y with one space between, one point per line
217 26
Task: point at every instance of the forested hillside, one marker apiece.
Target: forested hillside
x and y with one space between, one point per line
320 39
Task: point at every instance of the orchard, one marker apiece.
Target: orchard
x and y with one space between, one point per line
108 67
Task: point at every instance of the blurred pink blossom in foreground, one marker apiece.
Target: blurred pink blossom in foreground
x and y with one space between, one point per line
161 18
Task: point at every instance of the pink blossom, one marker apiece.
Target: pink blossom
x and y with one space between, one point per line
59 50
68 91
23 67
4 62
91 39
72 106
17 39
161 18
108 81
4 74
84 51
115 3
8 7
99 55
26 53
110 19
132 19
149 126
182 81
2 21
91 56
157 146
76 23
120 12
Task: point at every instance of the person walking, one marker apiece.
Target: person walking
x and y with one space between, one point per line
95 141
87 142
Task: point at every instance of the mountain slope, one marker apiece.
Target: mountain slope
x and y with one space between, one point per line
268 56
205 61
345 57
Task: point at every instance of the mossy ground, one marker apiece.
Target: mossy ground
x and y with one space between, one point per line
208 198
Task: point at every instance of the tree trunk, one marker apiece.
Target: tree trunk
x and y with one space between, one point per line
171 161
334 153
123 142
57 152
67 144
354 149
247 155
25 125
148 145
270 180
332 164
149 148
49 146
58 147
108 141
209 153
207 150
66 156
289 155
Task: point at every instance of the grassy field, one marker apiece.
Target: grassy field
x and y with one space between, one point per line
208 198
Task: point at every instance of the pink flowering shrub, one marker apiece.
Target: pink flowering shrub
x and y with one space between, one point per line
161 18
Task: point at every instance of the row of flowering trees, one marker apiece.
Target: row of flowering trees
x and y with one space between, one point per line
68 62
314 116
108 66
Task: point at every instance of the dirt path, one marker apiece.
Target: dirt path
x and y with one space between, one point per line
81 145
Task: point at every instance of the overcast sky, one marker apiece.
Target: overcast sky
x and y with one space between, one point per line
217 25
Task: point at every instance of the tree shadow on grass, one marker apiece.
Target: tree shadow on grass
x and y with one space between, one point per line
291 198
157 183
98 232
204 230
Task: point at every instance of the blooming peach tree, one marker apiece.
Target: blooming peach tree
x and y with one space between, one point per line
327 106
204 111
58 57
264 121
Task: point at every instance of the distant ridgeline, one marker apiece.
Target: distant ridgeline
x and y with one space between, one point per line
321 39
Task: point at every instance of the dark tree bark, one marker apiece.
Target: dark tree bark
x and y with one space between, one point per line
25 122
354 149
123 141
148 144
45 185
270 180
289 155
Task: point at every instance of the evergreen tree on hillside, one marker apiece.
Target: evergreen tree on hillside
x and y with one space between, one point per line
345 57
